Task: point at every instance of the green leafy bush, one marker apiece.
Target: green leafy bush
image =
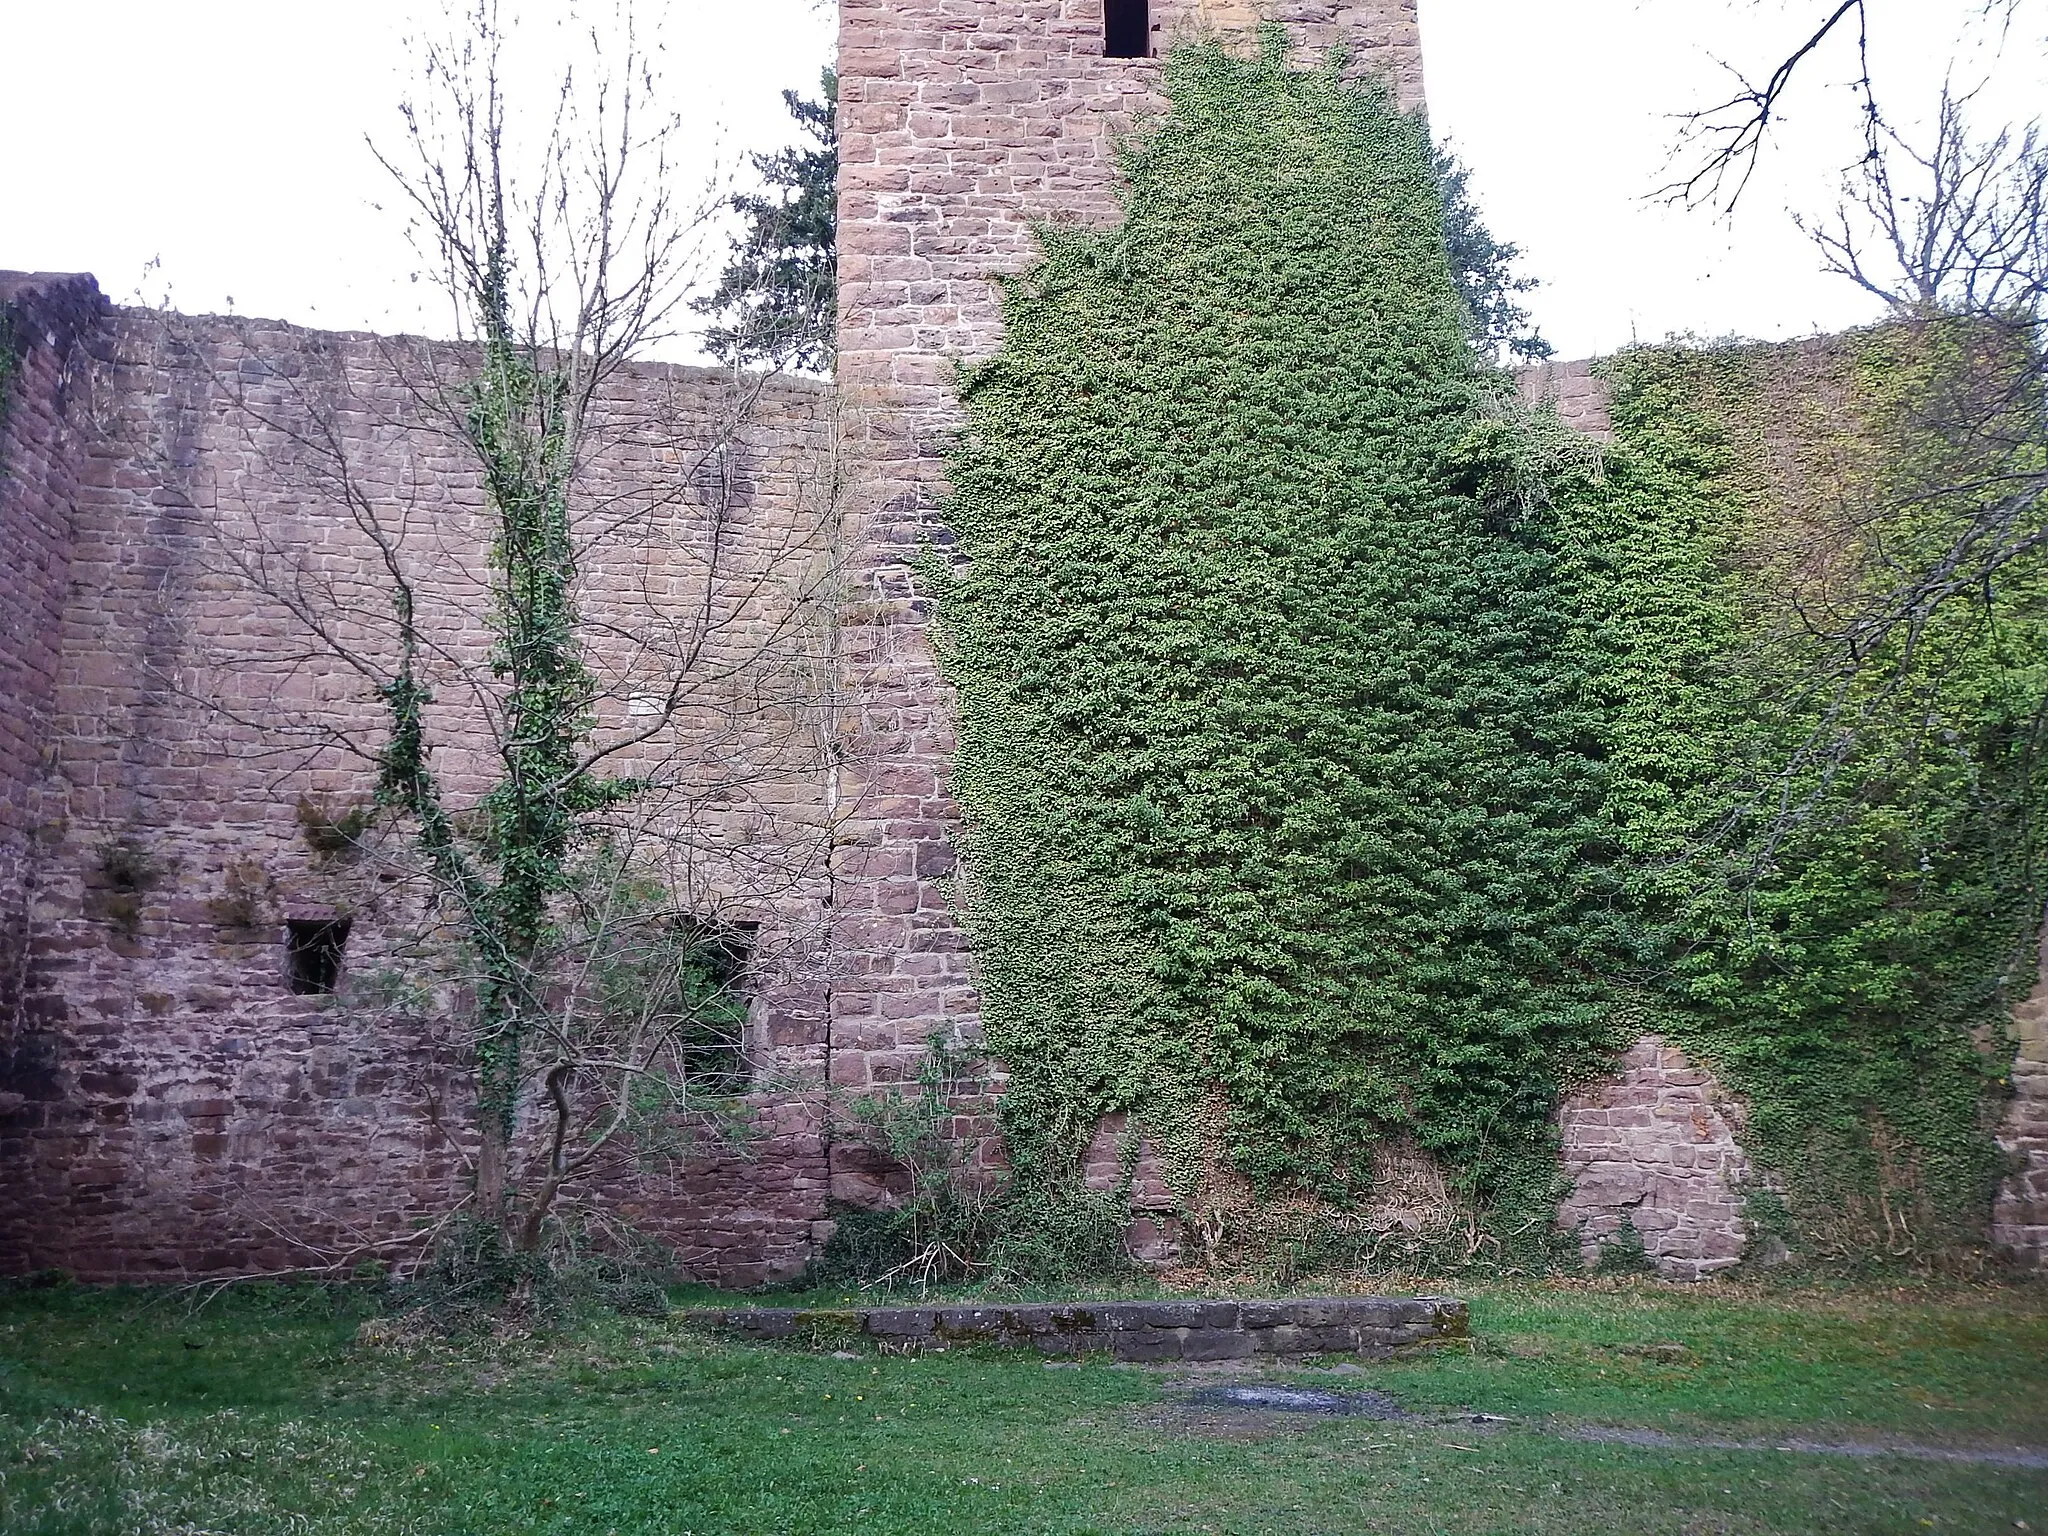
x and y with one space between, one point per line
952 1223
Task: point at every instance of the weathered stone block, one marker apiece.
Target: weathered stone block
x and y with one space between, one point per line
1653 1148
1223 1343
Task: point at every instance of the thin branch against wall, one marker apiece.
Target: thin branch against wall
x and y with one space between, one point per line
1952 235
1957 230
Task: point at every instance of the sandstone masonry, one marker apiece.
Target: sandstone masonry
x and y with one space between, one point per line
2019 1219
168 1106
1625 1140
1654 1148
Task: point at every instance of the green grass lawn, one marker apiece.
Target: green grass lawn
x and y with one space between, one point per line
125 1413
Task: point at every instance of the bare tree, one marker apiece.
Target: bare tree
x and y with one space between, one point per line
1957 227
586 697
1953 235
1720 145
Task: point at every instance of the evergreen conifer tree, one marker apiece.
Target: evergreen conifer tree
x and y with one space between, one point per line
777 300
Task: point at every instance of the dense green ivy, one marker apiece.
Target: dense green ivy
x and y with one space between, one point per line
1837 930
1347 762
1273 757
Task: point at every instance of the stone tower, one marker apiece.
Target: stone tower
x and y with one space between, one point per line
172 1102
963 123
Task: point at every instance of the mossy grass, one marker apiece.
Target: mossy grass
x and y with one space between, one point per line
261 1412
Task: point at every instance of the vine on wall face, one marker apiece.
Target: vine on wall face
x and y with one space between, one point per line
1349 761
1834 881
10 362
1278 786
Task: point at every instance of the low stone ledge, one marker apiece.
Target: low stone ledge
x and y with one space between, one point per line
1371 1326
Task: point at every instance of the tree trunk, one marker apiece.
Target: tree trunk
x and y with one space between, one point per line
530 1227
493 1155
526 1233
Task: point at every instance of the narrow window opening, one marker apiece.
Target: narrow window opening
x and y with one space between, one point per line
1126 29
694 976
313 949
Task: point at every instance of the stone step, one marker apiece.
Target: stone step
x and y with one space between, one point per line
1371 1326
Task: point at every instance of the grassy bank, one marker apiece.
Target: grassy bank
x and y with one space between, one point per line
264 1413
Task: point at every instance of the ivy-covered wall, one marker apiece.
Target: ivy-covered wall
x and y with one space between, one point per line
1351 762
1832 871
1271 743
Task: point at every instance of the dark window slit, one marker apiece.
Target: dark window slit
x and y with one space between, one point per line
313 950
1126 29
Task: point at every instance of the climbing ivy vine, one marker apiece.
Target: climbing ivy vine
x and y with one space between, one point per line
10 362
1352 763
506 879
1833 880
1279 786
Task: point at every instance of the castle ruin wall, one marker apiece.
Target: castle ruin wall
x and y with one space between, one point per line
41 319
2019 1216
962 126
1627 1155
1653 1148
170 1108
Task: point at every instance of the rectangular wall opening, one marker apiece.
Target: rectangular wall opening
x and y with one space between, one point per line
711 1003
313 948
1126 29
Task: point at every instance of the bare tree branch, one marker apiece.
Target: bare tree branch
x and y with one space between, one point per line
1732 133
1719 147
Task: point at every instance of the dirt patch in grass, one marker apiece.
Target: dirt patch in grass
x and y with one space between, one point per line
2033 1458
1251 1411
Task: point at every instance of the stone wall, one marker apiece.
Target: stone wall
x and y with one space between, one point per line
171 489
2019 1219
1614 1158
1581 394
41 413
171 1108
962 125
168 1106
1654 1146
1117 1159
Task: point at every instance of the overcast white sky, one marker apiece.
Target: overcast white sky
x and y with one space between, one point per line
226 138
